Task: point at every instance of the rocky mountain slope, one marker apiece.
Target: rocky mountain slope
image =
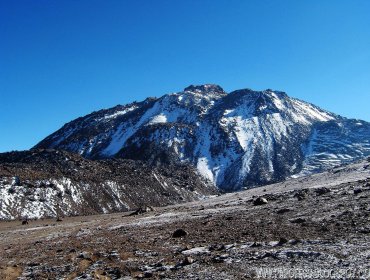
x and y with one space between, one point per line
50 183
241 139
314 227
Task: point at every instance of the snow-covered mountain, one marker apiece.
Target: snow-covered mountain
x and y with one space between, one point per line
241 139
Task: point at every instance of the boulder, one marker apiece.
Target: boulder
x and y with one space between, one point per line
179 233
260 201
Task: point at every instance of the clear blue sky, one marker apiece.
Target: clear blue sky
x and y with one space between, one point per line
63 59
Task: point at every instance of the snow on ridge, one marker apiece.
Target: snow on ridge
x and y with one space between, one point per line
123 133
119 113
306 111
277 101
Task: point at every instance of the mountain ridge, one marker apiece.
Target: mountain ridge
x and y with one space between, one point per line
240 139
51 183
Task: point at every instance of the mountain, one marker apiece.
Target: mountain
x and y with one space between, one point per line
50 183
235 140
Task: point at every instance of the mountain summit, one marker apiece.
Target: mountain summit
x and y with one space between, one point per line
207 88
241 139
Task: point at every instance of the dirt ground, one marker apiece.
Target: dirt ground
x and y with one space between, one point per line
306 228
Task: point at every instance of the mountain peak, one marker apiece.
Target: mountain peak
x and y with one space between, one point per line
241 139
206 88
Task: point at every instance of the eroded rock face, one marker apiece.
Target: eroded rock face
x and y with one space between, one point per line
241 139
53 183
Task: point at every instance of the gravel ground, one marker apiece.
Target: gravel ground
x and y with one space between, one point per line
314 227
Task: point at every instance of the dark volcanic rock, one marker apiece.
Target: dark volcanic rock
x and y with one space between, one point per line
321 191
298 221
357 191
283 210
179 233
59 183
260 201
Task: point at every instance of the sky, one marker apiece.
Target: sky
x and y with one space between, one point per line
60 60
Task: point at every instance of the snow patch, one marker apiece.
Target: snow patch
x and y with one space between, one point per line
161 118
119 113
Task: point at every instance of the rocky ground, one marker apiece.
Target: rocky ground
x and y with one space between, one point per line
314 227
